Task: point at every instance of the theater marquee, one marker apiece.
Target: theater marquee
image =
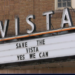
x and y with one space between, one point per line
36 49
41 48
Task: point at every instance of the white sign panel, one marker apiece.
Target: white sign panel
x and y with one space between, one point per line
35 49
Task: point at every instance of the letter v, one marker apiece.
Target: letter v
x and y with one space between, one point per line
4 29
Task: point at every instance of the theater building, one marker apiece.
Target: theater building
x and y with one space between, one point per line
37 36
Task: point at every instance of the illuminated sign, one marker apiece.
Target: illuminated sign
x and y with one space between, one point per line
36 49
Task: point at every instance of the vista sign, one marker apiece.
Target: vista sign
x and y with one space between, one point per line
41 48
66 19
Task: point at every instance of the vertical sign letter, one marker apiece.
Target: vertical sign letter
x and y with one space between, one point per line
4 29
48 19
30 23
17 26
66 18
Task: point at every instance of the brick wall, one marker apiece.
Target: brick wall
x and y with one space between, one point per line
59 70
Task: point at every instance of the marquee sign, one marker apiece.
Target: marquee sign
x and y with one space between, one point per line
36 49
41 48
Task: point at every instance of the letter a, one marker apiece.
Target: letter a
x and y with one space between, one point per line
66 18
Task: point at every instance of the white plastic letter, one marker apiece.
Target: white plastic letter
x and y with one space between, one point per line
4 29
66 18
30 23
48 19
16 26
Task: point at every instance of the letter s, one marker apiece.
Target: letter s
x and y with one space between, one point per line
30 23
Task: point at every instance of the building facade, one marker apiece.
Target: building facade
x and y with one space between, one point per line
10 9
